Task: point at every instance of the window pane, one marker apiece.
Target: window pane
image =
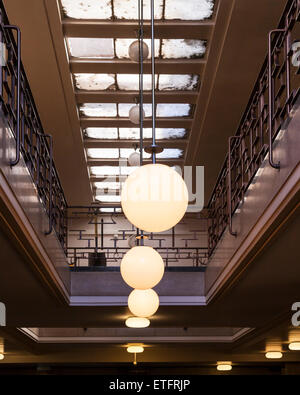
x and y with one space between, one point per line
109 198
173 110
112 170
126 152
181 48
87 9
130 82
170 153
161 133
107 185
102 133
173 82
99 109
89 82
129 9
190 10
101 48
103 153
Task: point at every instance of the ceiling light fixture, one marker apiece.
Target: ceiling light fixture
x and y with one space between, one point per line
136 349
134 51
142 267
154 198
1 356
143 303
274 354
137 322
294 346
224 366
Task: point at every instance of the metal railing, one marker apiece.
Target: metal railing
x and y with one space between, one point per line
274 94
36 148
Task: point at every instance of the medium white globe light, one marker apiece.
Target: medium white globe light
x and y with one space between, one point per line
134 51
154 198
134 114
137 322
142 267
134 159
143 303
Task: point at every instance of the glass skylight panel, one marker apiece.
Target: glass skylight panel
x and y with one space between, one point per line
126 152
128 9
110 210
190 10
130 82
112 170
165 110
102 133
123 44
87 81
108 185
99 109
87 9
109 198
100 48
170 153
103 153
182 48
124 109
161 133
173 82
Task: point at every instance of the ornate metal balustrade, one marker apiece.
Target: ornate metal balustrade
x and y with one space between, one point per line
274 94
18 107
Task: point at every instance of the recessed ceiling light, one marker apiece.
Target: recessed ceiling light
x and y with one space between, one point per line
274 354
137 322
294 346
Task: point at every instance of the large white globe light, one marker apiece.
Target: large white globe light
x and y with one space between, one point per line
154 198
142 267
143 303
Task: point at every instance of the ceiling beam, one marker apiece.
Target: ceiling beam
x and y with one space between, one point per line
125 122
116 162
126 29
126 66
96 143
132 96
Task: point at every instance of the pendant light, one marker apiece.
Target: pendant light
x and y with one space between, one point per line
142 267
143 303
154 197
134 51
137 322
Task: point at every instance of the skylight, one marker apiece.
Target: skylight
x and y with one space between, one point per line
124 109
99 109
182 48
193 10
89 81
107 185
110 210
134 133
100 48
124 153
130 82
112 170
109 48
102 133
128 9
165 110
109 198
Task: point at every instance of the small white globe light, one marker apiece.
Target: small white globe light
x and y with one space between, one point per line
134 114
142 267
1 356
154 198
135 349
134 159
143 303
224 366
137 322
274 354
294 346
134 52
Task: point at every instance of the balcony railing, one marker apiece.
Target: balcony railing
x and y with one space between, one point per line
18 107
273 96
